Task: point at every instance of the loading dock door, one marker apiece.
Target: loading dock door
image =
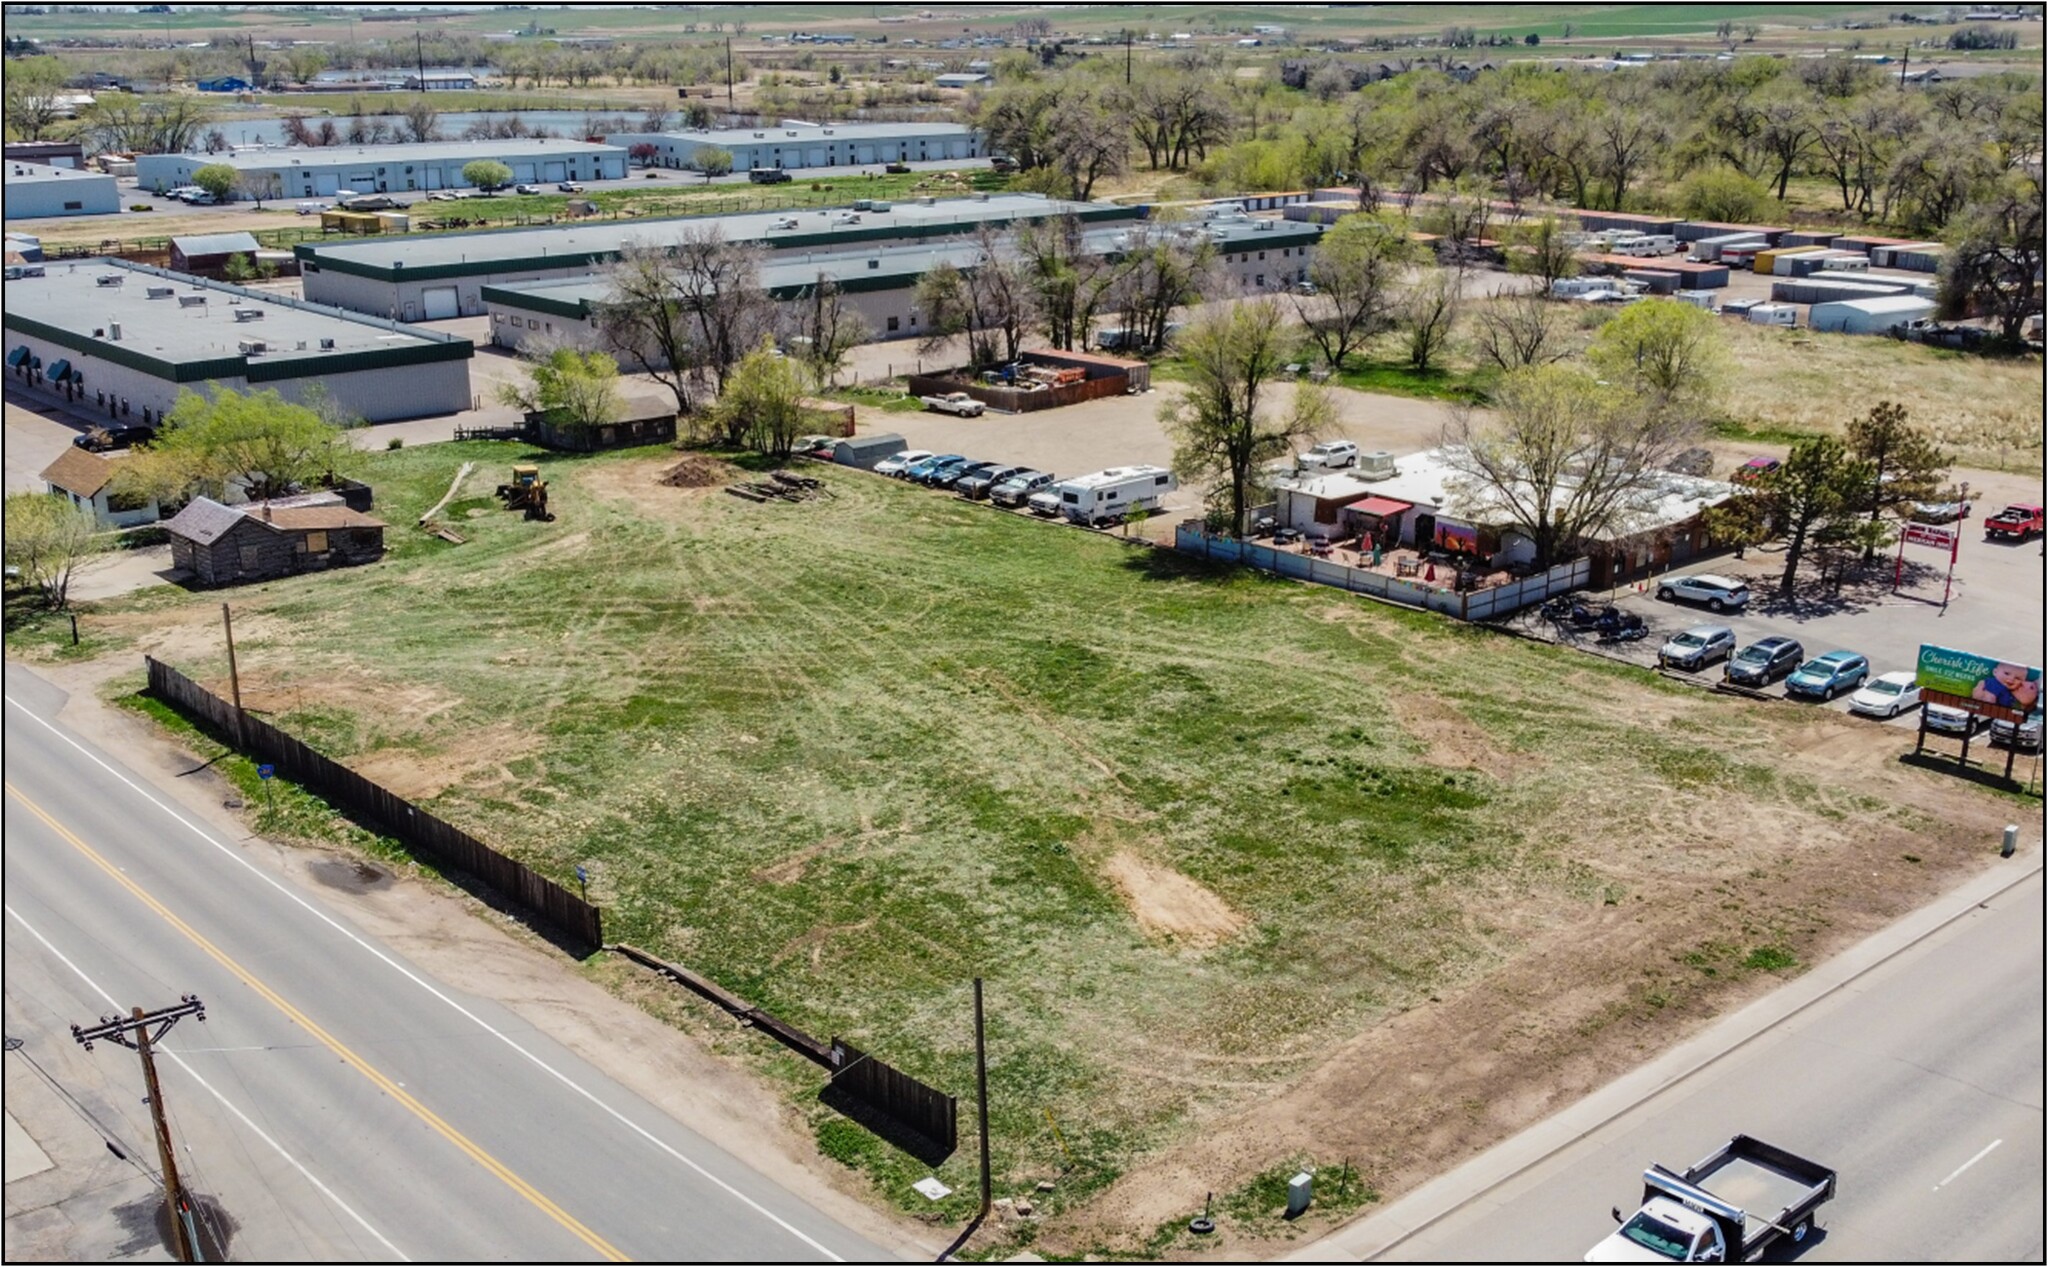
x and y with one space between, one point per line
327 182
439 302
864 154
815 158
556 172
522 172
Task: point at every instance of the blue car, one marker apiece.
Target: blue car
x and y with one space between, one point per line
943 473
1825 677
917 471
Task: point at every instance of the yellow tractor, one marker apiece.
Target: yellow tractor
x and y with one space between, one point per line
527 492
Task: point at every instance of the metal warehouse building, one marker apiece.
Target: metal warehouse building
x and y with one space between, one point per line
118 340
318 171
792 144
880 284
32 191
427 277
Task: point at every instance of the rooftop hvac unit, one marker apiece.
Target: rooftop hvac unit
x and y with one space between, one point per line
981 197
248 314
110 279
254 347
302 345
114 331
1264 226
1376 465
925 200
326 345
161 292
191 301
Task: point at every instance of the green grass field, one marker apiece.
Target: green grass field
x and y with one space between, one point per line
1195 827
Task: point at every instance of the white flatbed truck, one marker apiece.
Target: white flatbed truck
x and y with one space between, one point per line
1728 1207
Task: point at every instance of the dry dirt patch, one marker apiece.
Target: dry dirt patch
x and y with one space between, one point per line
483 760
1169 904
1452 741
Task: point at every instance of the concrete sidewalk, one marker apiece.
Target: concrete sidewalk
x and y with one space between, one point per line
1381 1231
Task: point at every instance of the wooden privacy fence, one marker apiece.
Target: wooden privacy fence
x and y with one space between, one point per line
425 835
929 1112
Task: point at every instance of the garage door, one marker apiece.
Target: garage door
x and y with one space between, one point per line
864 154
327 182
815 158
522 171
439 302
556 171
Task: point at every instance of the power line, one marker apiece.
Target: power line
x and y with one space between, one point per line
119 1147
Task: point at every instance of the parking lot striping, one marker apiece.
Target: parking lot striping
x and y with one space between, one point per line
504 1173
175 1058
1981 1155
423 984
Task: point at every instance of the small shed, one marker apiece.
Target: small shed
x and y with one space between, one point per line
260 541
1875 315
85 479
865 451
207 254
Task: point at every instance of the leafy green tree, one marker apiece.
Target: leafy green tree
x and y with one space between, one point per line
712 161
487 174
1994 262
256 439
1222 426
1356 273
47 539
217 179
1672 355
1905 463
31 88
761 401
1816 495
1725 196
568 387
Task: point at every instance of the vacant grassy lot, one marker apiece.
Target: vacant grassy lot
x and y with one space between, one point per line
1204 834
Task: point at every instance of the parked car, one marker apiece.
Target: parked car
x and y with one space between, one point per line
894 169
1887 695
2016 522
570 187
950 476
1046 502
1330 455
125 436
1939 512
199 198
784 222
897 464
1827 676
1697 647
526 189
1754 469
924 467
976 485
1764 661
1948 719
2023 735
1017 489
959 404
1719 593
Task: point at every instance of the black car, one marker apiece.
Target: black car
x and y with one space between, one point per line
975 485
128 435
966 470
1765 661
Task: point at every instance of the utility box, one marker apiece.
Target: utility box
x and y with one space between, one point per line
1300 1191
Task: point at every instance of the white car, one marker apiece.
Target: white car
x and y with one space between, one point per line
1331 455
1948 719
1719 593
897 463
1887 695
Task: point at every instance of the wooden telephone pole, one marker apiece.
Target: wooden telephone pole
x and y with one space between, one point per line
140 1031
981 1097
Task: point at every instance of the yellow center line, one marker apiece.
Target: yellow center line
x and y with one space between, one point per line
382 1082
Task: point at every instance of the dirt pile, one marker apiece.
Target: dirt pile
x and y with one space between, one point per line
698 472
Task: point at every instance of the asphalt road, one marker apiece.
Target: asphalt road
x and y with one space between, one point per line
338 1102
1920 1082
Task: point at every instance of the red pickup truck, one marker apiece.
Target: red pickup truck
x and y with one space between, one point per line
2016 521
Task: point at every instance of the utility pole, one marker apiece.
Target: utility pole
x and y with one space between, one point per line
140 1031
981 1098
1905 60
1127 57
729 106
419 51
227 622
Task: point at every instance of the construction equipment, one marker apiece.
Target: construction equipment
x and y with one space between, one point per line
527 492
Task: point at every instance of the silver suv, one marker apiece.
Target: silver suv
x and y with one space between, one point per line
1697 647
1719 593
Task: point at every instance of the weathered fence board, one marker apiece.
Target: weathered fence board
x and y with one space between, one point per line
426 835
921 1107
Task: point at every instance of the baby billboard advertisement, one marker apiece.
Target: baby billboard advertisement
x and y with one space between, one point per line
1980 684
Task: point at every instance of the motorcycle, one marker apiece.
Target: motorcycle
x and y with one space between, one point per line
1622 627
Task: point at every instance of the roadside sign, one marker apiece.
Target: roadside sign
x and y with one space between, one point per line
1940 536
581 875
1978 684
266 771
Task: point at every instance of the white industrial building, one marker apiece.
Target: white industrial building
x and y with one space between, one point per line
320 171
1875 315
32 191
118 341
428 277
794 144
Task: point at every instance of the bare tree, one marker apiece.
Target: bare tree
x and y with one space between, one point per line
1220 426
992 301
826 328
1164 270
1544 252
1429 313
1559 459
1355 272
420 121
1517 330
685 312
1073 281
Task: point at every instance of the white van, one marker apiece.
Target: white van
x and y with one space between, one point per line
1106 496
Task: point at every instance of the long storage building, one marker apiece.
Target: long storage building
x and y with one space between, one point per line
791 144
116 340
321 171
34 191
427 277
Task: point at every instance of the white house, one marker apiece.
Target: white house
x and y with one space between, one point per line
85 479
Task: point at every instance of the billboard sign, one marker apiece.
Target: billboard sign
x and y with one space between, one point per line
1979 684
1940 536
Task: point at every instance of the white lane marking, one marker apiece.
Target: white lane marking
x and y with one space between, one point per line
225 1103
1981 1155
423 984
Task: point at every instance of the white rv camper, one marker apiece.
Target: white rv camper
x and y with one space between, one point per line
1107 496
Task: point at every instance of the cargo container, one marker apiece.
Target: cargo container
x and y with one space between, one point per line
1709 249
1869 316
1595 221
1809 237
1697 230
1658 281
1822 258
1767 261
1919 259
1821 289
